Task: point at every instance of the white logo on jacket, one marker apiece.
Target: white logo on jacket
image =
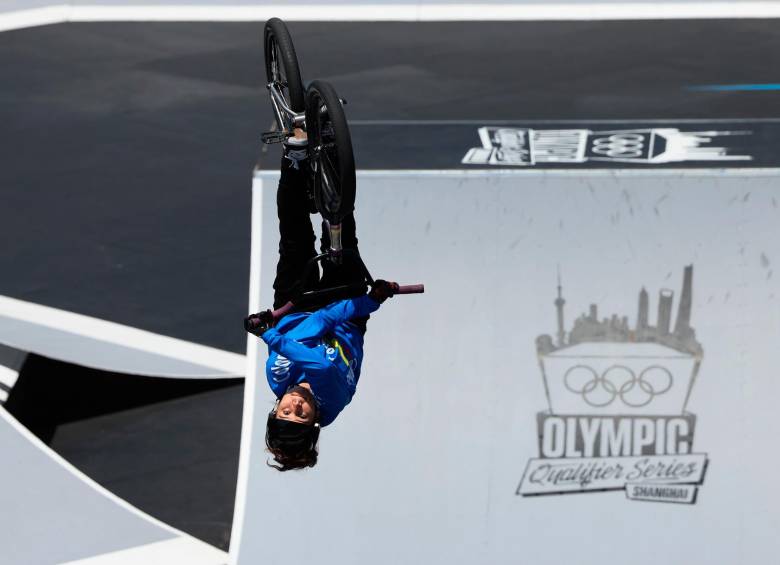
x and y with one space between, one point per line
280 368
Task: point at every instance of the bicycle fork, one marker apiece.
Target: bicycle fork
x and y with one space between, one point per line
284 115
334 231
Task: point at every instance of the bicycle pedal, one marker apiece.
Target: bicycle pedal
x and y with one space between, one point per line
343 101
270 137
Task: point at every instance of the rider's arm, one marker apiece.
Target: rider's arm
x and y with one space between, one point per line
325 319
342 311
307 359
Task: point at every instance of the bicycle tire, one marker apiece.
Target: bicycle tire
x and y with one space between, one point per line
330 151
279 49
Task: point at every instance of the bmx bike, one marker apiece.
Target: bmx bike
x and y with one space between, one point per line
318 111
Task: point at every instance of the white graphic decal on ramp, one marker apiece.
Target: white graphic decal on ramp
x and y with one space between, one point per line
617 401
526 147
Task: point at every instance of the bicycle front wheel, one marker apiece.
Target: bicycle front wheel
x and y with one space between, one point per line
281 66
330 151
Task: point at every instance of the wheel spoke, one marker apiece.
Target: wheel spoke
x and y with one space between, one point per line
330 193
332 167
331 183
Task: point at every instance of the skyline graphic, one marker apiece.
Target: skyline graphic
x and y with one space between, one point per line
588 328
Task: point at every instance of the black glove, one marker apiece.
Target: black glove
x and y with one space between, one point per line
259 323
382 290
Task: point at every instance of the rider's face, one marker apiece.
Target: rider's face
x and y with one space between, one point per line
295 407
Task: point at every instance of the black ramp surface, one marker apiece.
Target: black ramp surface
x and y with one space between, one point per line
543 70
175 460
128 186
167 446
128 148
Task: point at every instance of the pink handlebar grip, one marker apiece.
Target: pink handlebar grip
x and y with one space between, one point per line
405 289
411 289
282 312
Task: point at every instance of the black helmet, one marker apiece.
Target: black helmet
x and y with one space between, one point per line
290 437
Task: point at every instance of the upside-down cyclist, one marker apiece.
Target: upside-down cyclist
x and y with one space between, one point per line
315 356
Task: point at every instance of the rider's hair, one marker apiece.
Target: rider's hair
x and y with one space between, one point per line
290 461
293 445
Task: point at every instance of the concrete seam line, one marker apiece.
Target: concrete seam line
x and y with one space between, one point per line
33 17
458 173
112 332
59 13
435 12
259 13
70 469
600 11
252 370
520 121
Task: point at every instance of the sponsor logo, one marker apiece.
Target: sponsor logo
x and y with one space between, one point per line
617 401
280 368
526 147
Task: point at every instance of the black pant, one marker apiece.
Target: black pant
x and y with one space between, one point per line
296 247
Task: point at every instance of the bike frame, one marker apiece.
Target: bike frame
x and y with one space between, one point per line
284 114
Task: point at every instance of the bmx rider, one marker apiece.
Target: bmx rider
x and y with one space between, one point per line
315 352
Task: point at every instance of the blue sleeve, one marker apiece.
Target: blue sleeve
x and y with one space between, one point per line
344 310
307 359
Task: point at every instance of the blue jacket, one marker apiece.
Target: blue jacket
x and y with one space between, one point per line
323 349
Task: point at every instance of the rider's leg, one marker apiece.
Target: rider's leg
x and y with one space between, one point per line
349 271
296 245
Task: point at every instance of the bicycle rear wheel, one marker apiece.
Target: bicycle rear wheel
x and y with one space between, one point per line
281 66
330 151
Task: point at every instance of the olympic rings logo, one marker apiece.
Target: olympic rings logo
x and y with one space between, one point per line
618 381
624 145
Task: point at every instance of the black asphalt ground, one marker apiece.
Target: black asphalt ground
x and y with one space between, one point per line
128 149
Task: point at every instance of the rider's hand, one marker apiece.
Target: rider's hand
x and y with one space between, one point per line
259 323
382 290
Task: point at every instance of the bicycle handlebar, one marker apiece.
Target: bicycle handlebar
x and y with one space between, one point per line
283 311
405 289
411 289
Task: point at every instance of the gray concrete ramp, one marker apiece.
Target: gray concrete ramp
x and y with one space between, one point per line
588 378
102 344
